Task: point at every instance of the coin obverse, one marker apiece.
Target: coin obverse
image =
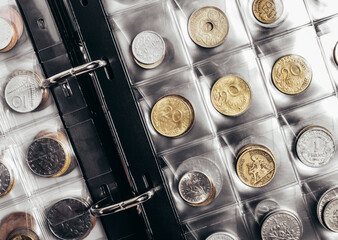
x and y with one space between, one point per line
221 236
335 53
7 35
330 215
291 74
70 219
208 27
327 196
267 11
231 95
6 180
315 146
172 116
281 224
23 234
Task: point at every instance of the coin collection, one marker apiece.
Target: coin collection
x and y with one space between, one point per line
327 209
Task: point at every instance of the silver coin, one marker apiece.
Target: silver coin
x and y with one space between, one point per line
315 147
221 236
6 33
70 219
330 215
281 224
195 187
264 207
5 180
148 47
328 196
335 53
23 92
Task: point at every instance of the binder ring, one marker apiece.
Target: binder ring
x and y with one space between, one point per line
82 69
99 211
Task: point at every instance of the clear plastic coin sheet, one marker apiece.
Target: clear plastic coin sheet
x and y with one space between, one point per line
321 9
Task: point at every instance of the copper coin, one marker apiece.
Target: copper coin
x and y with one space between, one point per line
23 234
14 221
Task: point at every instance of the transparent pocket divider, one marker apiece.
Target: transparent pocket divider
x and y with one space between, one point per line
321 9
112 7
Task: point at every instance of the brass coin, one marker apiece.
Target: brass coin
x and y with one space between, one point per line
267 11
256 166
6 180
8 35
208 27
231 95
172 116
255 146
22 234
291 74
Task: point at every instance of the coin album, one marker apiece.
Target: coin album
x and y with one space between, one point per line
168 119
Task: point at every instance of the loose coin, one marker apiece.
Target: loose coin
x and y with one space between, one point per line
231 95
208 27
256 166
315 146
267 11
6 180
70 219
16 220
22 234
281 224
328 196
221 236
330 215
196 188
172 116
291 74
335 53
23 92
8 35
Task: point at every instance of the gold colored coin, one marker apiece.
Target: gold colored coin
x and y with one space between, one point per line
256 166
172 116
267 11
254 146
291 74
231 95
208 27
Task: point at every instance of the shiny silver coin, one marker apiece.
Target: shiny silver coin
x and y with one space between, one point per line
70 219
221 236
6 33
315 147
330 215
23 93
335 53
265 206
281 224
6 181
148 47
328 196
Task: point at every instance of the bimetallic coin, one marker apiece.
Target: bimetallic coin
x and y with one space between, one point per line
256 166
335 53
267 11
291 74
330 215
23 234
7 33
172 116
16 220
315 146
281 224
6 180
221 236
196 188
231 95
328 196
208 27
70 219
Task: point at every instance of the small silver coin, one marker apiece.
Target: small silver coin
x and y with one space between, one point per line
148 47
315 147
281 224
6 33
5 180
221 236
23 93
195 187
328 196
70 219
335 53
330 215
264 207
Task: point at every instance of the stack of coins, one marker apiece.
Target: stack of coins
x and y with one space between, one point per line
196 188
6 180
148 49
335 53
23 92
49 155
315 146
70 219
256 165
172 116
327 209
268 12
231 95
221 236
208 27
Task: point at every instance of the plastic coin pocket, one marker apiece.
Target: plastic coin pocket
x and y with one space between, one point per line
112 7
321 9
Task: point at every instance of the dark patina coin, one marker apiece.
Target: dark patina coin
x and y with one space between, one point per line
23 234
6 180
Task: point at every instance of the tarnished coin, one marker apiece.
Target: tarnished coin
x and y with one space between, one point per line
7 35
23 234
291 74
70 219
196 188
221 236
6 180
256 166
16 220
208 27
281 224
328 196
172 116
335 53
23 92
267 11
231 95
315 146
330 215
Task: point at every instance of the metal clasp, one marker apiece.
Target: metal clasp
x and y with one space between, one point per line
82 69
99 211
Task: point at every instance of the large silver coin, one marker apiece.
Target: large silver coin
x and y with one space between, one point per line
330 215
335 53
148 47
281 225
221 236
328 196
23 92
6 180
315 147
6 33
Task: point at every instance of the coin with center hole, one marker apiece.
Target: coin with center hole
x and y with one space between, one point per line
222 236
327 196
330 215
267 11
